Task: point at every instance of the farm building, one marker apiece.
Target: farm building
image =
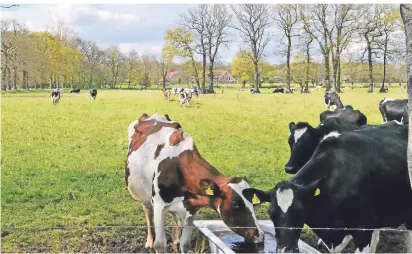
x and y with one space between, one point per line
223 77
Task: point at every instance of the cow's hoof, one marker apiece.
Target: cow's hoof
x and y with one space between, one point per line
149 244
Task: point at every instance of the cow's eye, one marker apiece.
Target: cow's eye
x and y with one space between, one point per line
236 204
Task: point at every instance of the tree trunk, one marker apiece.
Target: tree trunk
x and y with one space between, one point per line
288 66
306 90
15 77
91 80
212 76
257 76
327 70
243 83
4 74
130 77
406 13
72 82
339 75
51 81
196 71
204 72
369 48
382 90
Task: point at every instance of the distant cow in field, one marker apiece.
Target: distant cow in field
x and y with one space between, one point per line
253 90
354 180
166 94
55 95
279 90
332 99
165 172
75 90
93 93
394 109
347 113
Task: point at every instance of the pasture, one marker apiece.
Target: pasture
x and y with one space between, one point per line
63 166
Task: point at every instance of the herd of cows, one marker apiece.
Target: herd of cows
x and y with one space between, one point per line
347 174
56 93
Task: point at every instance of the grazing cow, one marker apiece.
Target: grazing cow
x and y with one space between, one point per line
93 93
185 98
166 173
166 94
252 90
304 139
356 179
332 99
392 109
279 90
177 90
75 90
347 113
55 95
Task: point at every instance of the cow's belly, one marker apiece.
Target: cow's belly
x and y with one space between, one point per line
140 180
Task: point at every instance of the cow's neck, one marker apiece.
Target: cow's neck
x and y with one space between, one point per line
340 104
196 168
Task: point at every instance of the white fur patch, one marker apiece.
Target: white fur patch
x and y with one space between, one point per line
333 134
387 99
364 250
299 133
341 246
285 199
397 122
238 188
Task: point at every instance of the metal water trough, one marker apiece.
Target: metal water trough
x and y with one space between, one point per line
218 235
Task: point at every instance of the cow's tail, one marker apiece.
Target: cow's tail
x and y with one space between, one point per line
382 110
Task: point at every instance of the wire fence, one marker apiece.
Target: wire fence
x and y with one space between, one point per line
194 227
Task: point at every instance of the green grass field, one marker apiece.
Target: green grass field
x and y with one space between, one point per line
64 165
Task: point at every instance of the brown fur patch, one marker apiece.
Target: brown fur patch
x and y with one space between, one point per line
175 138
143 117
158 149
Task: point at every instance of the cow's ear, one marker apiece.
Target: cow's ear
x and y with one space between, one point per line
143 117
168 118
311 190
209 188
255 196
292 127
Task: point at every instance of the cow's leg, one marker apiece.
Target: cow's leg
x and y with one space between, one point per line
159 213
148 212
187 234
176 231
374 241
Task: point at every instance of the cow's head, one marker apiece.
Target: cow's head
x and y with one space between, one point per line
286 210
303 141
235 210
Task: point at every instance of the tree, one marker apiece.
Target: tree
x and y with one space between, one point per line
183 42
194 20
164 63
253 23
390 24
302 72
242 67
114 60
92 55
316 19
406 14
286 18
370 31
131 65
216 23
346 17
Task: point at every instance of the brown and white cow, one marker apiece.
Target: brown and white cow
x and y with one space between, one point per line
165 172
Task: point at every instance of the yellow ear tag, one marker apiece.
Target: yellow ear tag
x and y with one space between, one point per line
317 192
209 191
255 200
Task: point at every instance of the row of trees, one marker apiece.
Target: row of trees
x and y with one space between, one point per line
58 57
333 28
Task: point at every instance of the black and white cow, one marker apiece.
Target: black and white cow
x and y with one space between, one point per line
55 95
166 173
356 179
333 99
394 109
304 139
93 93
279 90
347 113
75 90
